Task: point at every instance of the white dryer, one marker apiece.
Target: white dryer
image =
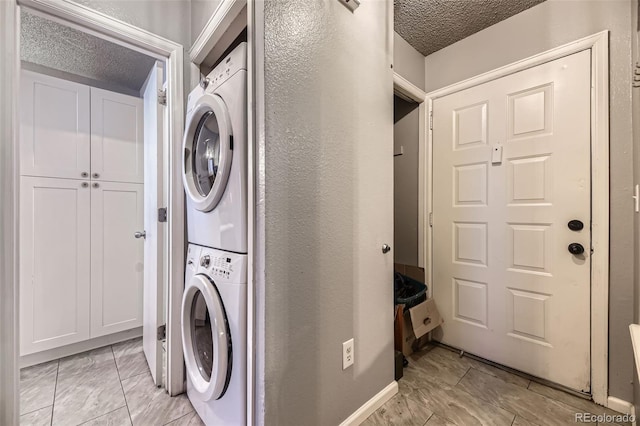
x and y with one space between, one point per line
214 334
214 163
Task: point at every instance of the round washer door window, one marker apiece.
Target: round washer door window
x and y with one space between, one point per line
206 340
207 152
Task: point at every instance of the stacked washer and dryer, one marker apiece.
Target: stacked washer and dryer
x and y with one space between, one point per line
214 304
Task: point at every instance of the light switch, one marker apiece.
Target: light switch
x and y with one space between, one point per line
496 154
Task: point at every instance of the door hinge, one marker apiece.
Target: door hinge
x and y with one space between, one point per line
431 219
162 214
162 332
430 120
162 96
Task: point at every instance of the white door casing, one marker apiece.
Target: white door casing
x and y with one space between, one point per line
117 145
153 305
503 278
54 127
116 257
54 262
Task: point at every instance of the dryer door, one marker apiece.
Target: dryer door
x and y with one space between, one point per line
207 152
206 340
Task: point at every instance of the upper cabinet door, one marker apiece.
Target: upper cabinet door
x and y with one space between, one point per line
54 127
117 144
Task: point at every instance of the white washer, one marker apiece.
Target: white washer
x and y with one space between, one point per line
214 334
214 163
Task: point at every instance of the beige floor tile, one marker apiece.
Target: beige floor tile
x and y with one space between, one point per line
119 417
436 420
152 406
37 386
403 409
525 403
130 358
191 419
41 417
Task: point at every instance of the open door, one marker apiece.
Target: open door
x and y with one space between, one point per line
153 303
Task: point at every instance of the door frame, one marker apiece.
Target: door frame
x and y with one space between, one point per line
599 46
108 28
404 89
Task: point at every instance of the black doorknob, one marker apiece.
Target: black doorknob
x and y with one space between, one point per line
576 248
575 225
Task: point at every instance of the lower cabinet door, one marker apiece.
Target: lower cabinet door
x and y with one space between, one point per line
54 262
116 257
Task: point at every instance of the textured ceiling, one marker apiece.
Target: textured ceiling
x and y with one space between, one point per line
430 25
61 48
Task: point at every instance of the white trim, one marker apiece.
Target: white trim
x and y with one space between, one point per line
122 33
9 82
598 44
77 348
214 30
412 93
621 406
369 407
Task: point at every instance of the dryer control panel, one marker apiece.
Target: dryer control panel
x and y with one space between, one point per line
234 62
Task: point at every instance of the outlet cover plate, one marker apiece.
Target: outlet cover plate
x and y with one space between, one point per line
348 354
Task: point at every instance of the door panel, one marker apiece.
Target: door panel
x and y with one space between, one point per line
153 305
506 284
54 127
116 257
54 263
117 145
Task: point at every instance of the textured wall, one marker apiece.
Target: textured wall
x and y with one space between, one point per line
431 25
55 46
328 107
407 61
201 12
405 181
557 22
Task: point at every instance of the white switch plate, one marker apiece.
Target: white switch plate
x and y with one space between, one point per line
347 354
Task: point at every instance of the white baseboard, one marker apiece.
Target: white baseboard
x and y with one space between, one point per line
621 406
371 405
76 348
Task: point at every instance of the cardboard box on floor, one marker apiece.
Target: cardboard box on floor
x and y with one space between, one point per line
414 323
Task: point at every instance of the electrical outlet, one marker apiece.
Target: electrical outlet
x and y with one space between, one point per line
347 354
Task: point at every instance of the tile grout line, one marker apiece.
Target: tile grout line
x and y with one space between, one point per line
97 417
55 390
124 395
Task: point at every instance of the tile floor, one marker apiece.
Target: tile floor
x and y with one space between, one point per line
441 388
107 386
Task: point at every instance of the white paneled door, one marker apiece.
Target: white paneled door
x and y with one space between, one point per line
511 169
117 145
54 262
116 257
153 306
54 127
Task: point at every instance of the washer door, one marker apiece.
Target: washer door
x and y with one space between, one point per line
206 340
207 152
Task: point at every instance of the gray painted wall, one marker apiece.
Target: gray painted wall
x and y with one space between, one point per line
550 24
405 181
636 155
168 18
328 108
201 12
407 61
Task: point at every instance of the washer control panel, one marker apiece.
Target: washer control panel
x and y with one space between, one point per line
223 266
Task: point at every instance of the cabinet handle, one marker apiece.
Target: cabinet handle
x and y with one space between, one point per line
84 185
96 185
84 174
96 175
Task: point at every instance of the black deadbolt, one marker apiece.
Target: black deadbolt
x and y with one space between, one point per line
575 225
576 248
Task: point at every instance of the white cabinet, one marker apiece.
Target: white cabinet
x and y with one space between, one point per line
116 257
54 127
81 202
117 144
54 262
